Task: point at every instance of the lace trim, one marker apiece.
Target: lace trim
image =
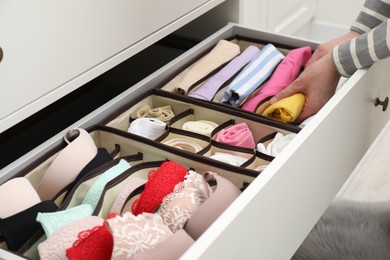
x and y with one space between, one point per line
178 206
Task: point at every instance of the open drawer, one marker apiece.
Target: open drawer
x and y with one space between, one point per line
271 218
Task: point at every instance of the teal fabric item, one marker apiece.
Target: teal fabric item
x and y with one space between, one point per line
51 221
93 195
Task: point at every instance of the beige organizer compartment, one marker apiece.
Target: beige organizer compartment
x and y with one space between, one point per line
278 209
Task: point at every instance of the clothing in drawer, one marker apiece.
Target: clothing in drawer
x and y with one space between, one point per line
245 80
92 194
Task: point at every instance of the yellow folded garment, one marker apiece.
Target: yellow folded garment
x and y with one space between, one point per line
286 110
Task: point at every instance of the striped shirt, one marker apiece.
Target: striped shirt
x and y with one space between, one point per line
371 45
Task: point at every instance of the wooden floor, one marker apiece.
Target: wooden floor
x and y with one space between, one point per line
370 181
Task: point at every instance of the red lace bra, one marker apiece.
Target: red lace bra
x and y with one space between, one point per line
96 243
161 182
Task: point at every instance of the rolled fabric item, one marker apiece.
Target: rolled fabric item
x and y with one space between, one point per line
208 90
237 135
253 75
276 146
184 144
150 128
229 158
285 73
223 52
286 110
164 113
203 127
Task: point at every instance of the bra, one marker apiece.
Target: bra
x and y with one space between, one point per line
95 243
161 182
51 221
17 202
19 228
178 206
133 234
68 164
172 248
216 203
54 247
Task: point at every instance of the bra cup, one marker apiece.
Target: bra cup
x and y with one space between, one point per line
17 202
213 207
172 248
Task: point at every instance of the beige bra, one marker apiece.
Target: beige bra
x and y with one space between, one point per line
68 164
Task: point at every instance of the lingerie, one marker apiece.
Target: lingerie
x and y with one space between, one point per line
216 203
237 135
150 128
68 164
160 183
20 201
52 221
178 206
17 229
126 191
163 114
183 144
203 127
133 234
54 247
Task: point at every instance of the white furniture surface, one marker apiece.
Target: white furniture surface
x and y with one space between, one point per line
276 212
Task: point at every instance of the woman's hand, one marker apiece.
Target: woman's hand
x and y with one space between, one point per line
317 82
327 47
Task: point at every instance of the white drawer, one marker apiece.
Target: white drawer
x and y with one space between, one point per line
47 44
275 213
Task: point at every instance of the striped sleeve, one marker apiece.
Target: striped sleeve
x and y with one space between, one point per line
363 51
373 13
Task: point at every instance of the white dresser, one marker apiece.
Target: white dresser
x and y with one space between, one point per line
54 48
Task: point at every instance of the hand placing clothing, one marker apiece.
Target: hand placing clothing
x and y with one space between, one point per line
317 82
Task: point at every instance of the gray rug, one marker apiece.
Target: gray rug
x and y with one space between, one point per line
349 230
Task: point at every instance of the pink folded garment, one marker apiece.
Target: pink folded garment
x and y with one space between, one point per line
285 73
237 135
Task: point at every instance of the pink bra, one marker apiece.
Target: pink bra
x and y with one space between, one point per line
178 206
68 164
24 200
225 193
160 183
54 247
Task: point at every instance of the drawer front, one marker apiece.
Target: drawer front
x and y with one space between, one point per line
271 218
47 44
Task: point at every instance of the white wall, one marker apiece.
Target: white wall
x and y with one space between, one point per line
341 12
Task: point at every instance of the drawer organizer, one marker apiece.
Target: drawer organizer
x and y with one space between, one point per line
281 202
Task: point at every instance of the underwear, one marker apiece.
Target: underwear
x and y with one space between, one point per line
134 234
19 201
229 158
203 127
93 195
95 243
150 128
160 183
54 247
51 221
163 114
183 144
120 200
213 207
68 164
172 248
237 135
276 146
19 228
178 206
101 158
